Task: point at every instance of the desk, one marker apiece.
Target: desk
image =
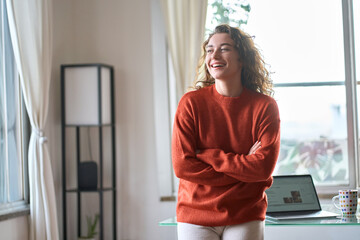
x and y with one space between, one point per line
304 222
326 228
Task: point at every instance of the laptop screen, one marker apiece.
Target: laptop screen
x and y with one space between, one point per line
292 193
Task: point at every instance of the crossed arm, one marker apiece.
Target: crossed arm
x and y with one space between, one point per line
255 166
185 163
218 168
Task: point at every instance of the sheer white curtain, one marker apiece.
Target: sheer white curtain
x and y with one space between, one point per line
185 25
31 33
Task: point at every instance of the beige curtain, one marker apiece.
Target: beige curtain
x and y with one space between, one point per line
31 33
185 24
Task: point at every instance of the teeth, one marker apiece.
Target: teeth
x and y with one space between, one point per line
218 65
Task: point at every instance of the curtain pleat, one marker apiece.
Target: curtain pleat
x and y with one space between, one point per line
30 24
185 25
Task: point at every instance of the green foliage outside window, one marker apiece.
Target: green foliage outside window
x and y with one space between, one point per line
232 12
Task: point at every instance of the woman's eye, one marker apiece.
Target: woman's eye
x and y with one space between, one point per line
225 49
209 51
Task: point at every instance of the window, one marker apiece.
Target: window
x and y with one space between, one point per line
162 103
235 13
306 54
309 52
13 125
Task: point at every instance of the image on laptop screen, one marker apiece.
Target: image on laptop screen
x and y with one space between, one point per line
292 193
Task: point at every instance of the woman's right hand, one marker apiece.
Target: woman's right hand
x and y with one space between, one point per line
255 147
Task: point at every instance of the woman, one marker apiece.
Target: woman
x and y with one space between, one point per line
226 141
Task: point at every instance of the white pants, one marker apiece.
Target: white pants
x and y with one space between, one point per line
246 231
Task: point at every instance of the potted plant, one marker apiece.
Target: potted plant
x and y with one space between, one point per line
91 228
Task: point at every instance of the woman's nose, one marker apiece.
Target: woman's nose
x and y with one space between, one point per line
215 54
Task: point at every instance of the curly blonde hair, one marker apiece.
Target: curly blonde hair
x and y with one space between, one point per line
254 74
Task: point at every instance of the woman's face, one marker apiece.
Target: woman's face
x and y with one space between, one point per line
222 59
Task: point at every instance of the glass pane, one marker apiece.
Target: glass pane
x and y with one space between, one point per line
356 8
302 41
13 136
2 124
13 119
232 12
314 133
2 144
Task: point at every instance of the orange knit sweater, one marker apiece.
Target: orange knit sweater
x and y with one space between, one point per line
219 183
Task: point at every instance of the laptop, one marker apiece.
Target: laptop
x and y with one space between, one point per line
294 197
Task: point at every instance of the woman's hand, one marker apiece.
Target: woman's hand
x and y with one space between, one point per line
255 147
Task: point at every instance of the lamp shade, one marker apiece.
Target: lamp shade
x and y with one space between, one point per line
87 93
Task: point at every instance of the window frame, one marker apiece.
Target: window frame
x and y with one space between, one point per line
351 87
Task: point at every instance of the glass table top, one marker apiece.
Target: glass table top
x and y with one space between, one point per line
355 220
323 221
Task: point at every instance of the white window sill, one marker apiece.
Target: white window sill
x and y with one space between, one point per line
14 212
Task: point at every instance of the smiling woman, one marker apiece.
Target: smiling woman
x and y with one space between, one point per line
225 143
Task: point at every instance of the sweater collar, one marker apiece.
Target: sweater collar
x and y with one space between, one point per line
226 99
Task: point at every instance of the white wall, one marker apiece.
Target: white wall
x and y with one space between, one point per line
14 229
117 33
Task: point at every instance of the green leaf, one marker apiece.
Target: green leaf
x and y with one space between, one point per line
91 226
